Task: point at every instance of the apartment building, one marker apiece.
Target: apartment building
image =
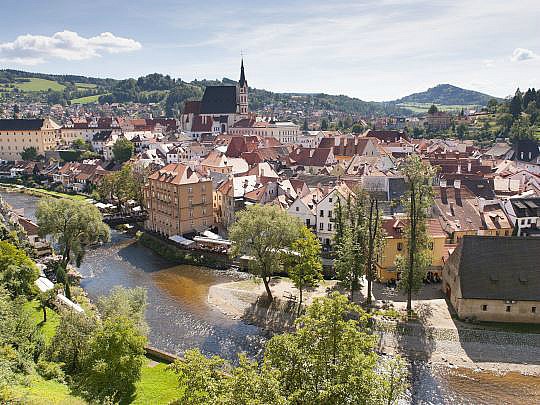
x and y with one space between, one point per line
19 134
178 200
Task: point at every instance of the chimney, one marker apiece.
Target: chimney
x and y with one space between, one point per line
311 152
469 165
443 183
459 168
457 183
481 204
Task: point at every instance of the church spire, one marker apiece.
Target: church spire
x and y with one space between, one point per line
242 80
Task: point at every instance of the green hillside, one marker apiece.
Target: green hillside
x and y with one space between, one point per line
446 94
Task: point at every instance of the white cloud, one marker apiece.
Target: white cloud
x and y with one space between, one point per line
68 45
521 54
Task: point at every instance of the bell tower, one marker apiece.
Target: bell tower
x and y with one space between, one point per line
242 91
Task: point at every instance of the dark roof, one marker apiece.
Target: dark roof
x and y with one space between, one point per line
242 80
102 136
21 124
528 148
219 100
396 188
499 268
526 207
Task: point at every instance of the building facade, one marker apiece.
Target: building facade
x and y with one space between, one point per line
178 200
16 135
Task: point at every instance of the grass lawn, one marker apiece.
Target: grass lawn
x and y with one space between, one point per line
46 392
36 314
36 84
85 85
87 99
157 385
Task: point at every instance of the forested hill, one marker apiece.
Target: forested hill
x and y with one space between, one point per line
170 92
446 94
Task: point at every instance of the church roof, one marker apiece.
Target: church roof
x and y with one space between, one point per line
242 80
219 100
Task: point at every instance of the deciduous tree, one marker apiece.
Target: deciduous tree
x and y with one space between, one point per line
417 202
304 264
73 225
123 150
264 233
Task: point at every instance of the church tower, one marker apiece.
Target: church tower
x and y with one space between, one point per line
242 91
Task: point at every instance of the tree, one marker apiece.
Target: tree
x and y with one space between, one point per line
505 120
130 303
516 104
417 202
112 364
70 341
304 263
17 271
357 129
324 124
330 358
492 104
376 240
123 185
73 225
521 130
46 300
29 154
348 263
123 150
461 130
264 232
433 109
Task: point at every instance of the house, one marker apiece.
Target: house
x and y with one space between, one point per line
524 214
494 279
311 159
305 207
464 212
326 208
178 201
19 134
527 150
396 245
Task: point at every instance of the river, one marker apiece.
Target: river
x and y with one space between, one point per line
180 317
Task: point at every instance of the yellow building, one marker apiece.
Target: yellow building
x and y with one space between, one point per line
396 245
17 135
178 200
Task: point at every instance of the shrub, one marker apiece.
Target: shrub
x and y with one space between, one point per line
51 370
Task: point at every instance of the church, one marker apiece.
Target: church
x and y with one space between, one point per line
219 109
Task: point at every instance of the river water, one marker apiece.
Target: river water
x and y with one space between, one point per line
180 318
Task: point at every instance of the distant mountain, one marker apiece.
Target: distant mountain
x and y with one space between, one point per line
446 94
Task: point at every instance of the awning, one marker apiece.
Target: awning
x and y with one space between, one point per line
181 240
212 241
44 284
211 235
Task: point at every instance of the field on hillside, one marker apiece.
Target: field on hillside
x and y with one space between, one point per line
83 86
86 100
424 107
39 85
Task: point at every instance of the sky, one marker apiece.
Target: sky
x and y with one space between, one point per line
371 49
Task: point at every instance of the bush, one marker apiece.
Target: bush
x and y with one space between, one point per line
51 371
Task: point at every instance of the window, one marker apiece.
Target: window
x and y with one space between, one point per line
431 245
533 310
399 246
308 222
330 214
190 190
330 199
297 209
484 307
329 226
321 214
508 308
321 226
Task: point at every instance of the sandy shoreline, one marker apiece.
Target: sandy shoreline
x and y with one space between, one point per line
235 299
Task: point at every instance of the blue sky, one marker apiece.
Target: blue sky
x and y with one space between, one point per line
372 49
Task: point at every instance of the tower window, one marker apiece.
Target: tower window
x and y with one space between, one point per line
508 308
484 307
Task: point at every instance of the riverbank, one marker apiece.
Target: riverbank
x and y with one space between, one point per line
39 192
441 345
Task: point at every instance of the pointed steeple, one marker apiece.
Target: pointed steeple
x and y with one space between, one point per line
242 80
